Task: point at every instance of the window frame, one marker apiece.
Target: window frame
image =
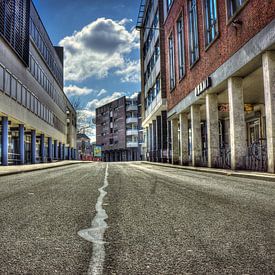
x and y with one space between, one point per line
192 63
171 57
183 66
230 18
205 29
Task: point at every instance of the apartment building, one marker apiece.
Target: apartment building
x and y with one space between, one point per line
153 81
117 130
38 123
220 75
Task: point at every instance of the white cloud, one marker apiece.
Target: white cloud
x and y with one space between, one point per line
97 48
73 90
95 103
102 92
130 71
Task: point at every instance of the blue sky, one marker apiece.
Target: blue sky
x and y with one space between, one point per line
101 48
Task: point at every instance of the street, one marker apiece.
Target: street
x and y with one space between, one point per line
160 221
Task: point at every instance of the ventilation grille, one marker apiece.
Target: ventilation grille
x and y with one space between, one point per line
14 25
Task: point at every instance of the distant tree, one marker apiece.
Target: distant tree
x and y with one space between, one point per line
84 122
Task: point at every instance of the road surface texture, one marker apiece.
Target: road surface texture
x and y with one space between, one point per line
160 221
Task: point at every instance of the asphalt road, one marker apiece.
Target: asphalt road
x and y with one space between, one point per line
160 221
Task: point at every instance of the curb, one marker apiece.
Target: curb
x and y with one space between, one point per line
37 169
240 174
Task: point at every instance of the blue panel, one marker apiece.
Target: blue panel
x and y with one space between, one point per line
33 146
42 147
55 150
5 140
22 143
50 149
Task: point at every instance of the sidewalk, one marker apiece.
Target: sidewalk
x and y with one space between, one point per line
17 169
225 172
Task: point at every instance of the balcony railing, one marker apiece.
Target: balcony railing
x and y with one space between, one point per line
131 120
131 108
131 144
132 132
154 103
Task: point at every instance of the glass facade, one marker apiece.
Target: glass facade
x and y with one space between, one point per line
171 62
180 37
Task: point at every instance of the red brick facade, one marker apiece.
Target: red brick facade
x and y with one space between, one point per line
255 15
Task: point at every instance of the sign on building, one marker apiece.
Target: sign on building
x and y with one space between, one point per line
97 151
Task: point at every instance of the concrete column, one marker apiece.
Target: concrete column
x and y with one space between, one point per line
159 139
5 141
184 159
169 141
150 141
55 150
238 144
22 143
33 146
154 139
269 92
42 147
175 140
212 120
196 135
164 152
50 149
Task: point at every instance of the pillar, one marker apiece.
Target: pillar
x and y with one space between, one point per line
154 129
60 151
196 135
269 93
55 150
238 143
175 140
69 153
150 141
63 151
42 147
183 119
169 147
5 141
50 149
158 139
33 146
147 142
212 120
22 143
164 152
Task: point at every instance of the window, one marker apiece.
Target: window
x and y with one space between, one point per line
233 6
13 87
7 83
169 4
193 32
171 62
19 92
24 96
181 59
1 78
210 17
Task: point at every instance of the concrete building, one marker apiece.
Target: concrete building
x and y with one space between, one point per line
37 120
220 81
153 81
84 147
117 130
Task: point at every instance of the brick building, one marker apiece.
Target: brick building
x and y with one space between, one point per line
38 123
220 75
117 130
153 87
